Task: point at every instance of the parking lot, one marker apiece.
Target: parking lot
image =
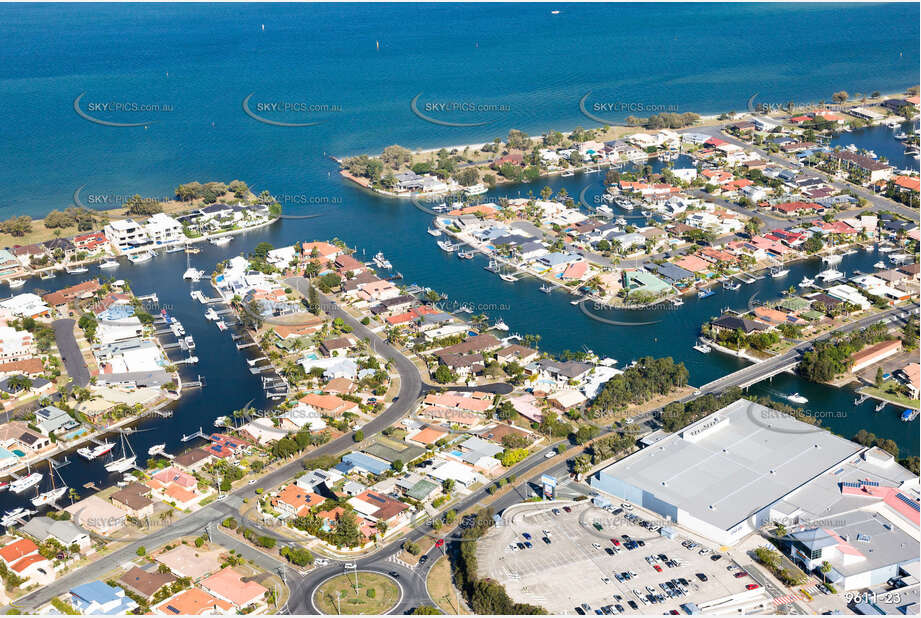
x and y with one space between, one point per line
561 556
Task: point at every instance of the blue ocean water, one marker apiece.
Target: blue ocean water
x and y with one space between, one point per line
368 62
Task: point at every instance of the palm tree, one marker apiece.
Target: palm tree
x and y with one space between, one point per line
825 569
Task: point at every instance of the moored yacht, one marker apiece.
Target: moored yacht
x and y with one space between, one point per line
108 264
92 453
27 482
447 245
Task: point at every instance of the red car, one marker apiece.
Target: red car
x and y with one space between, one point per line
567 509
657 568
439 542
615 542
752 587
740 574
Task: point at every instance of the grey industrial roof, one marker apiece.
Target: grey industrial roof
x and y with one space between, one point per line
732 463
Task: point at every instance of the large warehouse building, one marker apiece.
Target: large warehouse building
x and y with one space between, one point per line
745 466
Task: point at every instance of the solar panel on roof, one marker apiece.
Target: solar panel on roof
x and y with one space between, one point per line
908 501
870 483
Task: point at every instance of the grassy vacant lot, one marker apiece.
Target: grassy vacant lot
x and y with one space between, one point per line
889 392
376 594
441 588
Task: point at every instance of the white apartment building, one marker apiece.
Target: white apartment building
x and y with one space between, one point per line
126 234
162 229
15 344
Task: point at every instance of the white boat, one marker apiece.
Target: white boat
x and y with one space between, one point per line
156 449
508 277
434 232
621 221
221 325
608 197
49 497
48 274
464 309
834 258
4 485
492 267
126 461
568 173
546 289
850 252
193 274
212 315
646 213
881 265
189 342
797 398
807 282
381 261
20 485
830 275
677 301
108 264
703 348
76 270
447 245
139 258
465 255
175 248
900 135
13 517
500 325
869 247
221 241
477 189
221 421
604 211
731 285
779 272
16 283
886 249
120 465
92 453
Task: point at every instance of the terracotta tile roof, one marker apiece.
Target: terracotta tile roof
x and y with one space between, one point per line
14 551
192 602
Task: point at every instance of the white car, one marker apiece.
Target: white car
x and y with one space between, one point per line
596 545
606 579
349 566
252 482
550 455
320 562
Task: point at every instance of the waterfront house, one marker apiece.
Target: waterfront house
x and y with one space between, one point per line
732 323
849 294
17 436
910 376
162 229
90 242
52 419
517 353
134 500
331 347
97 515
393 305
193 460
644 282
321 251
101 599
475 344
145 583
27 253
60 298
262 431
873 169
245 595
300 416
125 234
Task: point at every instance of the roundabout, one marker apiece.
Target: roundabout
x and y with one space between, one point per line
357 592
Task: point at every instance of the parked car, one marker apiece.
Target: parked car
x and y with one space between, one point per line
715 557
752 586
739 574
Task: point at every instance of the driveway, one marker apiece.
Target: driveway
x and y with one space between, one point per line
70 352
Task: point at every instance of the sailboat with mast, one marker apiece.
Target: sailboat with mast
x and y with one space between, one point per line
55 494
126 461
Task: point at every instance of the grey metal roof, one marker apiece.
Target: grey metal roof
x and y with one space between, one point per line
755 457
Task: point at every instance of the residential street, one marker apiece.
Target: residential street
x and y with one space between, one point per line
70 351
